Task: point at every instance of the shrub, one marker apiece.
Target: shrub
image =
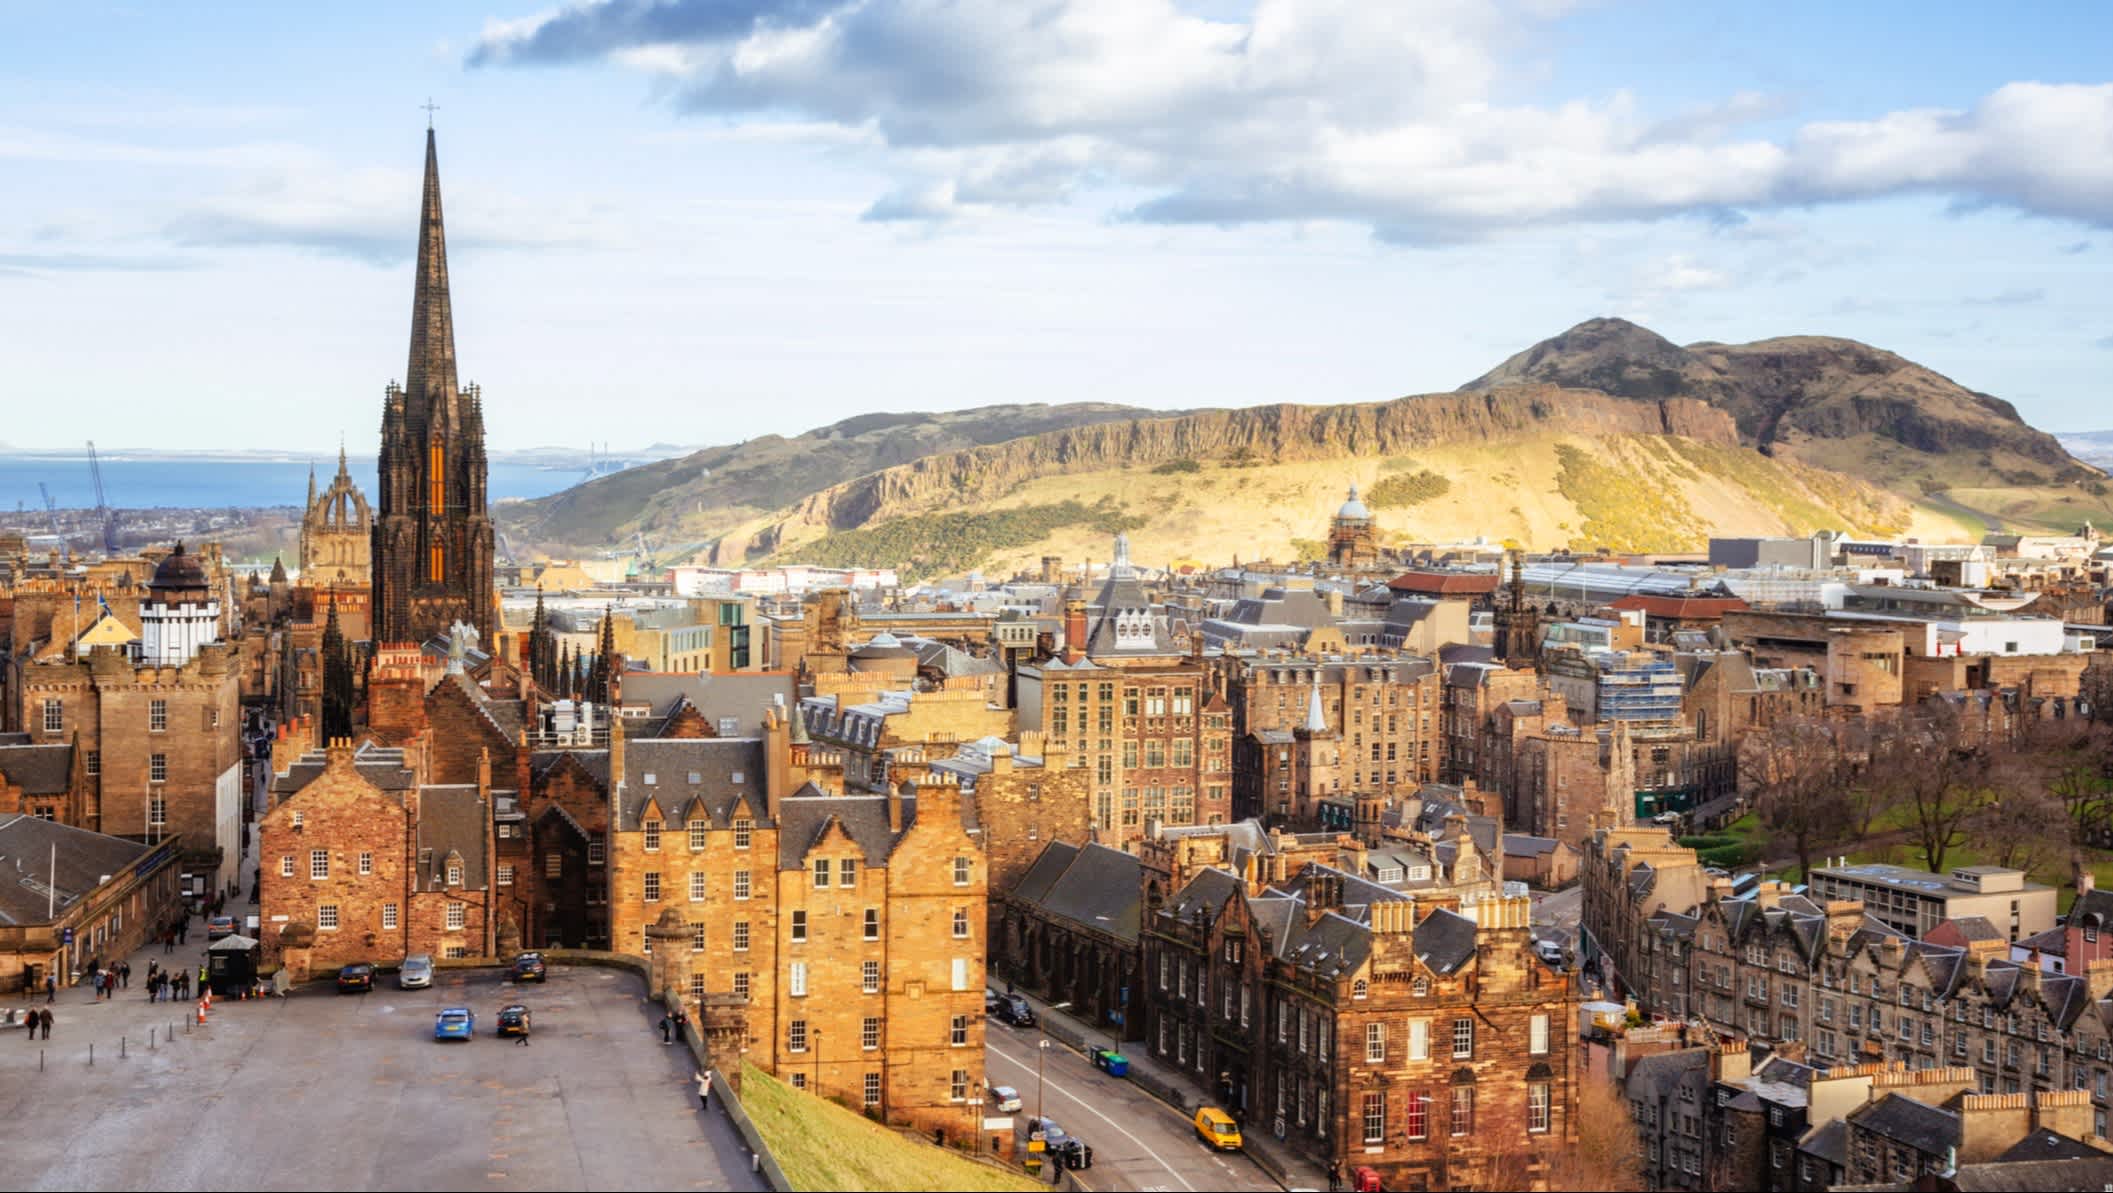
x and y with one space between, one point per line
1173 467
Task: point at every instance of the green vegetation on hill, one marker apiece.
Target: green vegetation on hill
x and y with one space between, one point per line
1775 484
823 1146
1172 467
1622 511
952 542
1406 489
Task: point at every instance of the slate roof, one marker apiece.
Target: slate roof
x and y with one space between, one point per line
594 762
1098 890
1660 1076
1445 941
38 769
726 768
27 845
743 695
1206 892
451 819
2043 1144
1829 1141
2036 1176
382 766
804 820
1048 864
1902 1119
1121 595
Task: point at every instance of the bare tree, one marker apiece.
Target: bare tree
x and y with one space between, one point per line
1940 779
1793 770
1606 1155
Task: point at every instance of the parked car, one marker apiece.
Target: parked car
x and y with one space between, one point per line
1550 951
356 978
455 1023
1014 1009
220 927
1003 1099
417 972
1217 1128
1064 1150
991 999
513 1020
528 967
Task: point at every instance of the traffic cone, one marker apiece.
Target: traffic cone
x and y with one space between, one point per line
201 1011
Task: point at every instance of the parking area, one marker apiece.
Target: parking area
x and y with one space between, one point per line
323 1090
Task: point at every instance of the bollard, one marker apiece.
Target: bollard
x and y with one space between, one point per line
91 1056
40 1060
121 1053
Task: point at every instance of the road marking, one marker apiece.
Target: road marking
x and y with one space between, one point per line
1088 1106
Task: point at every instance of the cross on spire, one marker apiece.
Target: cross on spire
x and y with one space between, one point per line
430 108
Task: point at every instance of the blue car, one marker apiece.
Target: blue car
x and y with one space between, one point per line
455 1023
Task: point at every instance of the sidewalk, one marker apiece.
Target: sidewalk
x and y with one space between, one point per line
1178 1089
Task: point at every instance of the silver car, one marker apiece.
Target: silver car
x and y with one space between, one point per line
417 972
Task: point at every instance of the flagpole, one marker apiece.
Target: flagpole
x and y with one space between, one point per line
51 889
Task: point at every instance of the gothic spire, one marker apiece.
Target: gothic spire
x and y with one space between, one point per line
431 372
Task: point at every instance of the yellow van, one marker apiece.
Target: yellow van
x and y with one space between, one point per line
1216 1128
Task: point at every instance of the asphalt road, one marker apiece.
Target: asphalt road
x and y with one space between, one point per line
1139 1142
351 1092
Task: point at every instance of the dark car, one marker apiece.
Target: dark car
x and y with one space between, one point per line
528 967
513 1020
1066 1151
1014 1009
357 978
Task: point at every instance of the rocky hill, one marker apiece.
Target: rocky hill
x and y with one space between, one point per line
698 496
1836 403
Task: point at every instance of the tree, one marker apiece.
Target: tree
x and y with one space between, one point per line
1793 769
1940 779
1605 1156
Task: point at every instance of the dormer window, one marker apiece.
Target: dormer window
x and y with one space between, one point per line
454 873
651 778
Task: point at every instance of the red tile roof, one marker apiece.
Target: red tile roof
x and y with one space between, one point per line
1444 583
1681 607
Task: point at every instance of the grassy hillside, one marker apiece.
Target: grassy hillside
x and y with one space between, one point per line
823 1146
1627 492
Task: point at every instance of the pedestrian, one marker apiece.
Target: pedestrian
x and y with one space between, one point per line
51 987
183 931
201 975
124 974
1335 1175
168 942
44 1021
29 1025
704 1090
96 980
666 1027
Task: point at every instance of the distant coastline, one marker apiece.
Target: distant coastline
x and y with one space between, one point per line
230 480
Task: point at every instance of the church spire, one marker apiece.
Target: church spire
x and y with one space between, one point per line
431 372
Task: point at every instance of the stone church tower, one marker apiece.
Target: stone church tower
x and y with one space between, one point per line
433 537
337 534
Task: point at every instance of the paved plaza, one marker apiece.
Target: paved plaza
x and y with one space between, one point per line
322 1090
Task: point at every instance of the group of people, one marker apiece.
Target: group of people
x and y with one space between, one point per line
33 1020
171 984
108 981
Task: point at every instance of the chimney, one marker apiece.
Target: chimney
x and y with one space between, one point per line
908 791
1844 916
1074 631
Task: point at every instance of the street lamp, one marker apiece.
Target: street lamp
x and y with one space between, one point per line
1041 1050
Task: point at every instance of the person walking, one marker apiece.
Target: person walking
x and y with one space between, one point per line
666 1026
124 974
51 987
1335 1175
44 1021
704 1090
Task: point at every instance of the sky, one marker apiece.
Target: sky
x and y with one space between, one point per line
700 221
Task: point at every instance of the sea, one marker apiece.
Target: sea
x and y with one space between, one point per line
205 483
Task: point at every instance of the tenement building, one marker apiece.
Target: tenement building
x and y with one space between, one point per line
432 553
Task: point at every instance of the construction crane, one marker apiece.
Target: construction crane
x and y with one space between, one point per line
103 513
51 508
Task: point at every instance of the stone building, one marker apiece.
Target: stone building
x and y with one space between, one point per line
1376 735
361 861
93 896
853 925
433 539
337 534
1353 540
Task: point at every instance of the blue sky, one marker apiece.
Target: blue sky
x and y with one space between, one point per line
700 222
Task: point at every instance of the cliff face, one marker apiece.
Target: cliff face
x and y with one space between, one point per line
1817 398
972 476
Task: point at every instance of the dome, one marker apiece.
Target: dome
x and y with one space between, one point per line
1353 508
179 570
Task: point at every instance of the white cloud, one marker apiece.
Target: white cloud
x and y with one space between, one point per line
1378 114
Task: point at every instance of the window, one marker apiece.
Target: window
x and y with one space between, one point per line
1358 989
796 1036
157 768
54 716
1419 1039
697 985
799 927
454 874
1375 1040
872 1089
961 923
1537 1036
157 812
652 836
553 865
741 984
740 884
740 936
1463 1038
366 861
869 1032
847 871
1463 1110
1537 1107
389 917
872 923
157 716
869 977
652 886
286 865
796 979
1375 1118
957 1087
318 864
597 853
94 764
744 828
957 1032
821 872
696 887
696 936
799 1081
961 871
697 829
326 917
457 916
960 973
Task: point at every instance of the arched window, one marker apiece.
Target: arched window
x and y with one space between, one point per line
436 563
436 476
1423 986
1359 988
